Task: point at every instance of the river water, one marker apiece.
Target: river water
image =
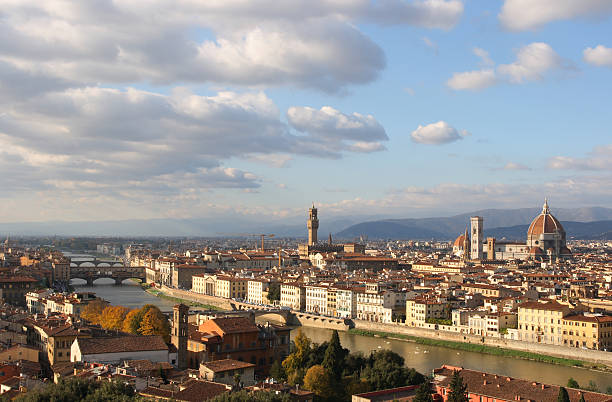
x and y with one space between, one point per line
422 358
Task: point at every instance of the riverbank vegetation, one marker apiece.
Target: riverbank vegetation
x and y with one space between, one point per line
471 347
334 374
77 389
162 295
148 320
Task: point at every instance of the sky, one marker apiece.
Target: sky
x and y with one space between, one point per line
139 109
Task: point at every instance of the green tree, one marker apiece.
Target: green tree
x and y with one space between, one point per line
563 395
333 361
458 390
319 381
274 292
592 386
277 372
385 369
423 393
76 390
571 383
581 398
261 396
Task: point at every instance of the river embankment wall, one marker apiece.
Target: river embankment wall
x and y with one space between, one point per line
594 356
219 302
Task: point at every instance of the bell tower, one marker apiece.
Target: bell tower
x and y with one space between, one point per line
477 238
313 225
180 314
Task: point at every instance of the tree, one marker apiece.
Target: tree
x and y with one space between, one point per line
93 311
155 322
274 292
571 383
458 390
277 372
260 396
591 387
581 397
131 323
385 369
423 393
319 381
563 395
333 361
112 317
294 364
76 389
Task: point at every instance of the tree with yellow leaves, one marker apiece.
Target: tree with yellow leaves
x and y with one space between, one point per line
319 381
113 317
155 322
131 323
93 311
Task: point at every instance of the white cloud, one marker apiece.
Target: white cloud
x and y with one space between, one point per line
532 61
472 80
361 133
484 56
599 56
437 134
515 166
521 15
249 43
600 158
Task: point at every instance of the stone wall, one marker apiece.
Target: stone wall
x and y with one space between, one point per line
595 356
312 320
220 302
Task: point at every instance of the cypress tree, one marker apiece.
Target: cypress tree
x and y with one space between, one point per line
458 390
563 395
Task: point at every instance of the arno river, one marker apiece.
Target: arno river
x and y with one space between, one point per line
422 358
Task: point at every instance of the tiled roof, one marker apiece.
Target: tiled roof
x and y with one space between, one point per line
226 364
121 344
198 390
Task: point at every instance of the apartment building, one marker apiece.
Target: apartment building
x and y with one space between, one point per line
591 331
346 302
316 299
257 291
418 311
379 305
204 284
231 287
293 295
542 322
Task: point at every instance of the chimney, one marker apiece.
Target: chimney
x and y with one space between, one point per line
534 383
484 382
543 386
508 379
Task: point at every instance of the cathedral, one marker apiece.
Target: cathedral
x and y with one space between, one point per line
546 241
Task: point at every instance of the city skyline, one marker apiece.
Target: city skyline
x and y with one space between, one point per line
131 110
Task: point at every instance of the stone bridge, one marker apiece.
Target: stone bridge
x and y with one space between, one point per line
96 263
291 317
118 273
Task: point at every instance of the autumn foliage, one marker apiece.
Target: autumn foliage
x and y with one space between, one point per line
148 320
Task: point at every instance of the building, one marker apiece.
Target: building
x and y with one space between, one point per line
182 275
240 339
204 284
231 287
293 295
312 225
542 322
116 349
224 372
380 305
486 387
14 288
316 299
346 302
419 311
257 291
545 241
590 331
179 337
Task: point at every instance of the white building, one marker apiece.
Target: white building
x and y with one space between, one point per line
117 349
346 302
293 295
316 299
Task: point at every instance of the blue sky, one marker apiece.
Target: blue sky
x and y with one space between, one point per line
122 110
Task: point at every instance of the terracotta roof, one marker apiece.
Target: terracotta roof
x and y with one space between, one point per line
89 346
229 325
226 364
198 390
544 223
508 388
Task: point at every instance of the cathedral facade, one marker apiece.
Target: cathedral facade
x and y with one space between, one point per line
546 241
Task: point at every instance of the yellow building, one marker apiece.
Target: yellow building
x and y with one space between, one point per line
231 287
419 310
542 322
591 331
19 352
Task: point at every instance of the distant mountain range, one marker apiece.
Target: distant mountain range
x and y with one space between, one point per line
593 222
512 224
